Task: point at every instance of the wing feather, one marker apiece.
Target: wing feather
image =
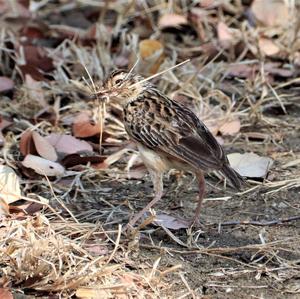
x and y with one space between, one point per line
175 131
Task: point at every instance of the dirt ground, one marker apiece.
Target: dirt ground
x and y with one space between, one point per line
61 236
219 261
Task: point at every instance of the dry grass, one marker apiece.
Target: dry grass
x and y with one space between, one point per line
80 251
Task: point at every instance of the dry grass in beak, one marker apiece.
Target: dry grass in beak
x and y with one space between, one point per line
101 107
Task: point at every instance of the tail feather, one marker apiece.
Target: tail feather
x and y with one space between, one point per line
236 179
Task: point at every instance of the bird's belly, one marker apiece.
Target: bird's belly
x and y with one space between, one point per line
159 161
153 160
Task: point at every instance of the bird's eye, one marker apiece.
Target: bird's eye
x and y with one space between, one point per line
118 81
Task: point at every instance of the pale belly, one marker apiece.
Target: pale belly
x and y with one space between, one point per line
160 163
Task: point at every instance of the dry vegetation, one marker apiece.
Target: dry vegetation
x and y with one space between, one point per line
70 178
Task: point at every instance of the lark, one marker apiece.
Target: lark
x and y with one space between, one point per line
168 135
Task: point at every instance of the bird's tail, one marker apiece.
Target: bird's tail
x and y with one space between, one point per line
236 179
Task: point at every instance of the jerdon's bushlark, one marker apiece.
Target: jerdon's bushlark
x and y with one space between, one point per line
168 135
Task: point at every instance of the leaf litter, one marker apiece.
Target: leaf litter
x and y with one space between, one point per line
64 234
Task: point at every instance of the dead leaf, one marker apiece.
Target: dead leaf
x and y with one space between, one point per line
9 185
230 127
5 294
43 166
227 36
250 165
68 144
151 54
38 57
35 90
26 144
171 20
4 211
44 147
271 12
83 127
96 249
268 47
170 222
75 159
6 84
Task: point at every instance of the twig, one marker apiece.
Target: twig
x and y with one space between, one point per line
258 223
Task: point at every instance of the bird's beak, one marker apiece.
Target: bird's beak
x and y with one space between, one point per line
100 95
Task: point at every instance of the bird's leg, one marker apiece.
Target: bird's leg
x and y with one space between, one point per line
157 179
201 186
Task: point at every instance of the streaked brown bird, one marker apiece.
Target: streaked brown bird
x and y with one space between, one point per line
168 135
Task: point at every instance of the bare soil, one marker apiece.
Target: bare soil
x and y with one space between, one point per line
249 261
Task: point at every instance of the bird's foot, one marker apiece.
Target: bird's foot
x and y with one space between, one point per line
195 223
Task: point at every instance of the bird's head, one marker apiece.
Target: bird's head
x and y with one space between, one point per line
122 85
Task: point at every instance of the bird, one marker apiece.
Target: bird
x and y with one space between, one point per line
168 136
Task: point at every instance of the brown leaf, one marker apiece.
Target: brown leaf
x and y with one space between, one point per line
230 127
43 166
44 147
27 145
5 294
171 20
34 73
268 47
68 144
227 36
38 57
6 84
271 12
83 127
152 54
75 159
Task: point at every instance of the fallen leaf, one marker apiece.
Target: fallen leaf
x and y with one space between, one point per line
38 57
35 90
271 12
96 249
43 166
250 165
44 147
83 127
241 70
227 36
230 127
151 54
26 144
268 47
4 211
170 222
75 159
68 144
149 48
250 70
5 294
6 84
9 184
171 20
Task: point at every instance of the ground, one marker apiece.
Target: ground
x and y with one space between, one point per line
71 179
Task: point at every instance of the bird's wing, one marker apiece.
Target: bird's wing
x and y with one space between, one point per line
162 124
